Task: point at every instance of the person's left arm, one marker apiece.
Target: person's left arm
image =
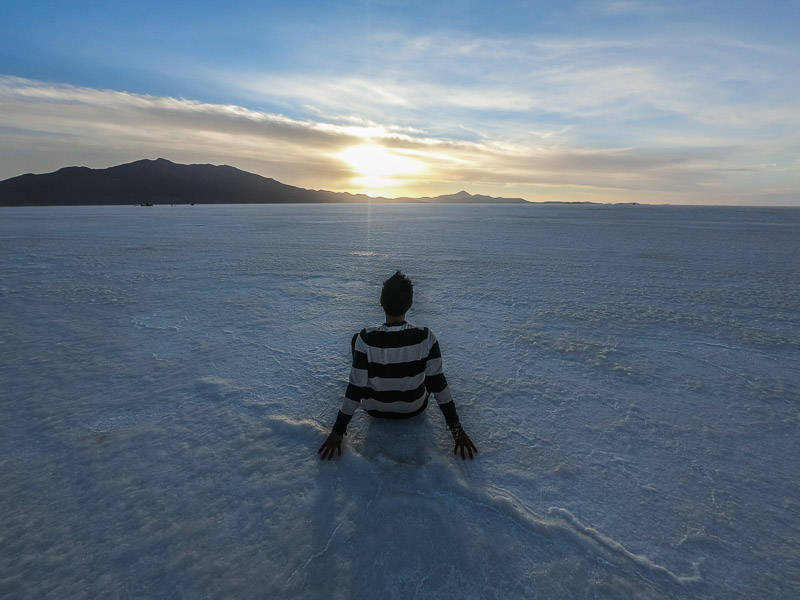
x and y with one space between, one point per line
436 383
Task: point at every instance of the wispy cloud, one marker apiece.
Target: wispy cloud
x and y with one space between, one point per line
634 7
600 85
127 126
61 121
638 97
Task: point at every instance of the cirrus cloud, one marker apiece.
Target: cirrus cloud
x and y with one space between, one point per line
58 122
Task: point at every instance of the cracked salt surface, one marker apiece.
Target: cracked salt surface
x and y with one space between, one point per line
629 375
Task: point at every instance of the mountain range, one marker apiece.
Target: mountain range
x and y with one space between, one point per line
161 181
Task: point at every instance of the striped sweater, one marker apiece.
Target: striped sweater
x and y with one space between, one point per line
394 370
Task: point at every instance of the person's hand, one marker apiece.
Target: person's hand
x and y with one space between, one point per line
334 442
463 442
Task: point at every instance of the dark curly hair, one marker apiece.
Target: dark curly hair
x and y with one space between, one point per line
397 295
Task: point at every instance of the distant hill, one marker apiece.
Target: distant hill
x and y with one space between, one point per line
463 197
163 182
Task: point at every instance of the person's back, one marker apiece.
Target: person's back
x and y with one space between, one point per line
396 366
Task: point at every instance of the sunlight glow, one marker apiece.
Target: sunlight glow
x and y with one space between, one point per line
379 167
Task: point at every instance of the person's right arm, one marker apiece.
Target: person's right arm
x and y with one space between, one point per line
352 400
331 445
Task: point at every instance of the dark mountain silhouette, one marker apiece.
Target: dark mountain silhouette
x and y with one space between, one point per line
463 197
163 182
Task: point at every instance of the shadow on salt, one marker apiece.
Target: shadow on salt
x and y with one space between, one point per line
411 463
397 486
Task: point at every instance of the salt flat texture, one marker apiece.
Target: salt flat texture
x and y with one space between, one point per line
628 373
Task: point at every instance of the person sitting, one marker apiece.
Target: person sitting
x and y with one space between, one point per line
396 366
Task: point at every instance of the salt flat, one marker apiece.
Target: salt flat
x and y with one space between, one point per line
628 373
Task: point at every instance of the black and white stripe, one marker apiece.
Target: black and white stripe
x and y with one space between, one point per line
394 369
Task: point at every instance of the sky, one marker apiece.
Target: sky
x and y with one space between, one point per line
609 101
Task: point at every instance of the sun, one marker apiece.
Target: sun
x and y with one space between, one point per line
378 169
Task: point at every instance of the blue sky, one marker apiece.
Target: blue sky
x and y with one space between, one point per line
608 101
